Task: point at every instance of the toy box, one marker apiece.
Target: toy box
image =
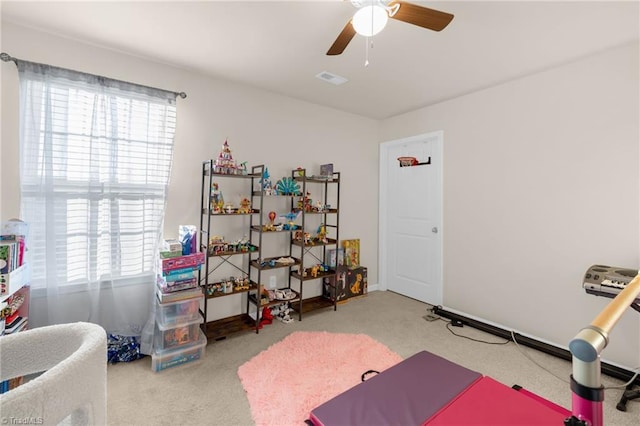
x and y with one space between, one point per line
334 285
347 283
183 311
163 359
172 286
336 257
351 252
191 260
167 337
356 282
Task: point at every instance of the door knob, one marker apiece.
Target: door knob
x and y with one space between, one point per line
434 230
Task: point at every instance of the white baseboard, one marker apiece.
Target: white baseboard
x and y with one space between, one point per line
374 287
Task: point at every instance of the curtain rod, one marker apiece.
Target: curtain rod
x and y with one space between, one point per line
6 58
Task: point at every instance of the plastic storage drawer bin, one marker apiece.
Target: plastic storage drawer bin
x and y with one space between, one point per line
167 337
161 360
174 313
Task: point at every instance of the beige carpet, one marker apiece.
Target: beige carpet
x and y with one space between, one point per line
210 392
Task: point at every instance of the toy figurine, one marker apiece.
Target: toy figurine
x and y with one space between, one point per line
265 183
245 206
216 245
307 239
270 226
307 202
304 203
322 234
314 270
217 200
241 284
291 218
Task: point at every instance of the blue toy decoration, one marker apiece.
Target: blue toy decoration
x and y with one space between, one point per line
291 218
287 186
265 183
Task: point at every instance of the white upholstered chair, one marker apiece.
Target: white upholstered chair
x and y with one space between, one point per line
73 386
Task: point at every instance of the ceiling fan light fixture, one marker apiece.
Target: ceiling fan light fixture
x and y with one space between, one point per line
370 20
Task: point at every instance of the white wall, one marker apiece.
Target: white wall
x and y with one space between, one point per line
540 181
262 128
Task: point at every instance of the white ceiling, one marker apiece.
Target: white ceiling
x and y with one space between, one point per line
280 45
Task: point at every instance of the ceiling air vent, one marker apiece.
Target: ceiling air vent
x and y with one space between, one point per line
331 78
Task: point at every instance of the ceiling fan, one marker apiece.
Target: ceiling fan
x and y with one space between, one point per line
372 16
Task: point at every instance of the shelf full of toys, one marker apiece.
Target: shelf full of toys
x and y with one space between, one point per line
225 271
317 234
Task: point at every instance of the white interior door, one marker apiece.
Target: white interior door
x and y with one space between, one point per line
411 218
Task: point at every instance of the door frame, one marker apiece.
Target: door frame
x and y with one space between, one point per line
382 204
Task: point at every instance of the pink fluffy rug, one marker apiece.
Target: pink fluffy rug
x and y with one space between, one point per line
286 381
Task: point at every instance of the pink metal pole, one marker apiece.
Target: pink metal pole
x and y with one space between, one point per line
589 411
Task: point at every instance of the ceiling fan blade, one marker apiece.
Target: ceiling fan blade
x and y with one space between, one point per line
343 40
422 16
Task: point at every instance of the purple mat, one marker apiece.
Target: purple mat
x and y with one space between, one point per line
408 393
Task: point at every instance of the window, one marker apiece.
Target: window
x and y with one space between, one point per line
94 168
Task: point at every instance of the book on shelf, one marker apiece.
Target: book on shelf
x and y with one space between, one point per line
8 255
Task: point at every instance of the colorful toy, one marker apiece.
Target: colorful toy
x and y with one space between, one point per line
225 164
287 186
291 218
241 283
265 183
314 270
321 234
271 225
245 206
216 200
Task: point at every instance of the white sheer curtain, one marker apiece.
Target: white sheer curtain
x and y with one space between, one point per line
95 160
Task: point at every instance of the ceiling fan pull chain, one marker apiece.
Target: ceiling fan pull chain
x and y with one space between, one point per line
366 52
366 62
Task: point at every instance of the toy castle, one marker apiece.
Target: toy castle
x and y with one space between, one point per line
225 164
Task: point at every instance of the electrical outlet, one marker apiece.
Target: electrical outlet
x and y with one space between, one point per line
431 317
272 283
